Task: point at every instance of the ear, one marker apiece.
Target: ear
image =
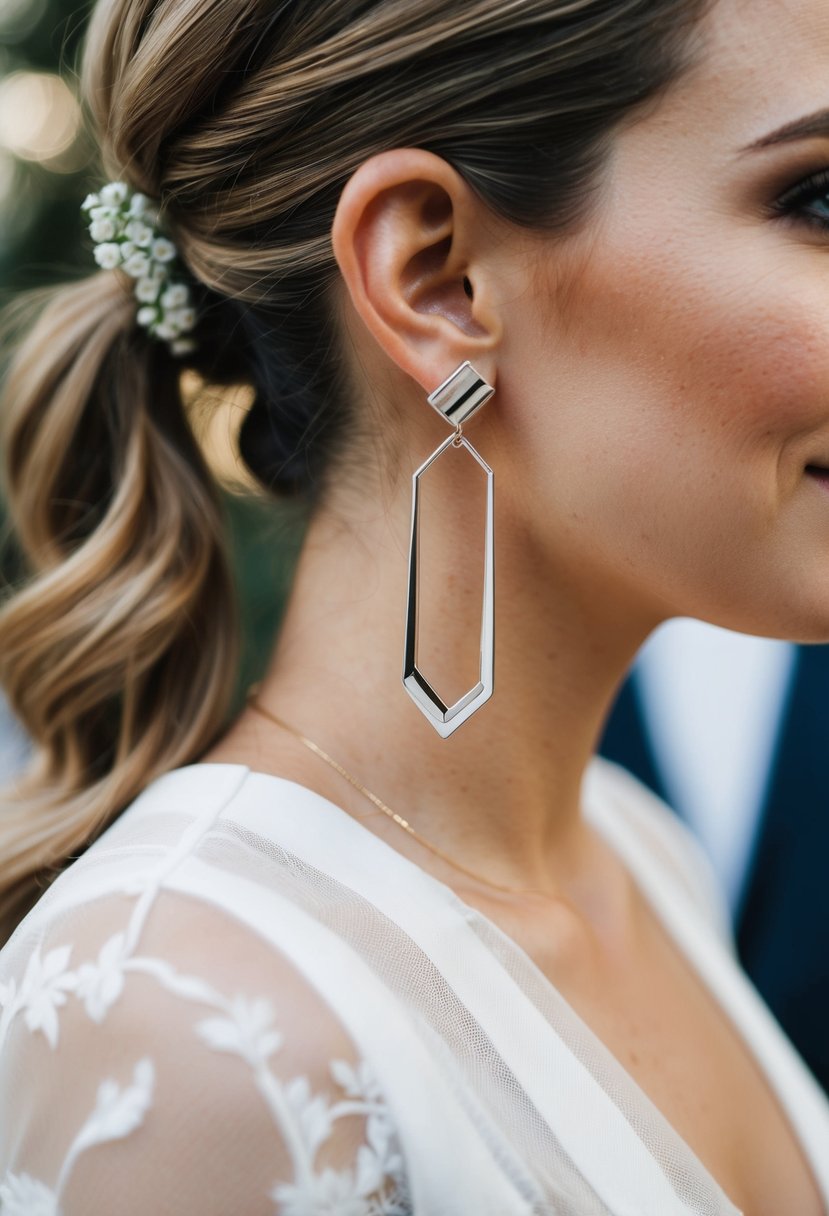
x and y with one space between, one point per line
413 244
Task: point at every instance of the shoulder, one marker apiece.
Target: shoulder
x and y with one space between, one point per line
181 1064
669 839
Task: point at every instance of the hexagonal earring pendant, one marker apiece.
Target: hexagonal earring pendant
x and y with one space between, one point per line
456 399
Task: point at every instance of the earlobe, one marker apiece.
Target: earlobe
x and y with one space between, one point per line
405 238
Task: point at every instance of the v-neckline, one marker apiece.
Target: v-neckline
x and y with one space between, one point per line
720 975
697 950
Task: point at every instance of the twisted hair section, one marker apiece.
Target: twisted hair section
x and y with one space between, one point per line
244 119
118 650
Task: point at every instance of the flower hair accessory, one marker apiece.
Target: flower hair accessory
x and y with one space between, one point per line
125 228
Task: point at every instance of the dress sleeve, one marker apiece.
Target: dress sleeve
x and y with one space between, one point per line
190 1072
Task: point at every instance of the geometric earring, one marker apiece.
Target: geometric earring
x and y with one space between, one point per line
456 400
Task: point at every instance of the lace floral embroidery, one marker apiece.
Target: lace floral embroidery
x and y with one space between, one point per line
243 1026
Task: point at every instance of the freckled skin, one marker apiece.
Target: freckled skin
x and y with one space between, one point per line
682 381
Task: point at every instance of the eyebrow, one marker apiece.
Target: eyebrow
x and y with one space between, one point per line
810 127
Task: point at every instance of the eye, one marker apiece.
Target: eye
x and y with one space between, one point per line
808 201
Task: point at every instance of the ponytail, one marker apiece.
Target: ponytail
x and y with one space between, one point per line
119 650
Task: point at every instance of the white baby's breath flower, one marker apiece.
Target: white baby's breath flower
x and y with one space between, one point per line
182 346
146 290
184 318
163 250
139 232
139 204
108 255
137 265
114 193
125 228
102 230
176 296
104 213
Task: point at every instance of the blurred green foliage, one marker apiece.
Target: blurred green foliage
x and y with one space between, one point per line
40 221
44 240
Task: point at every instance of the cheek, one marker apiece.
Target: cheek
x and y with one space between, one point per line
677 408
743 376
715 349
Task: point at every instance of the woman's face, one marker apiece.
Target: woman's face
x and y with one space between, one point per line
678 384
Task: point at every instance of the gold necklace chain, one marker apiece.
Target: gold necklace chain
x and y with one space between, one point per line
254 704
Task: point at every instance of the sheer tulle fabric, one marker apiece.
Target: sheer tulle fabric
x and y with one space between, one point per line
240 999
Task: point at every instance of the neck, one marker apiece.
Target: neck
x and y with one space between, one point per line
502 793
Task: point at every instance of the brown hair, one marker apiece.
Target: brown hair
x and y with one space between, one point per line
244 119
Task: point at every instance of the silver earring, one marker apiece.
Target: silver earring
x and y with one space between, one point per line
456 400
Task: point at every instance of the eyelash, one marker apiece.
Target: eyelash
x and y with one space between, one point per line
811 189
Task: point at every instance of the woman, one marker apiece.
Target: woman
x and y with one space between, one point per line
252 989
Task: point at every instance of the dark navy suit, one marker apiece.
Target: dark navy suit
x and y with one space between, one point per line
782 918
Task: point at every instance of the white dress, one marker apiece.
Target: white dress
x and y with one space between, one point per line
240 1000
